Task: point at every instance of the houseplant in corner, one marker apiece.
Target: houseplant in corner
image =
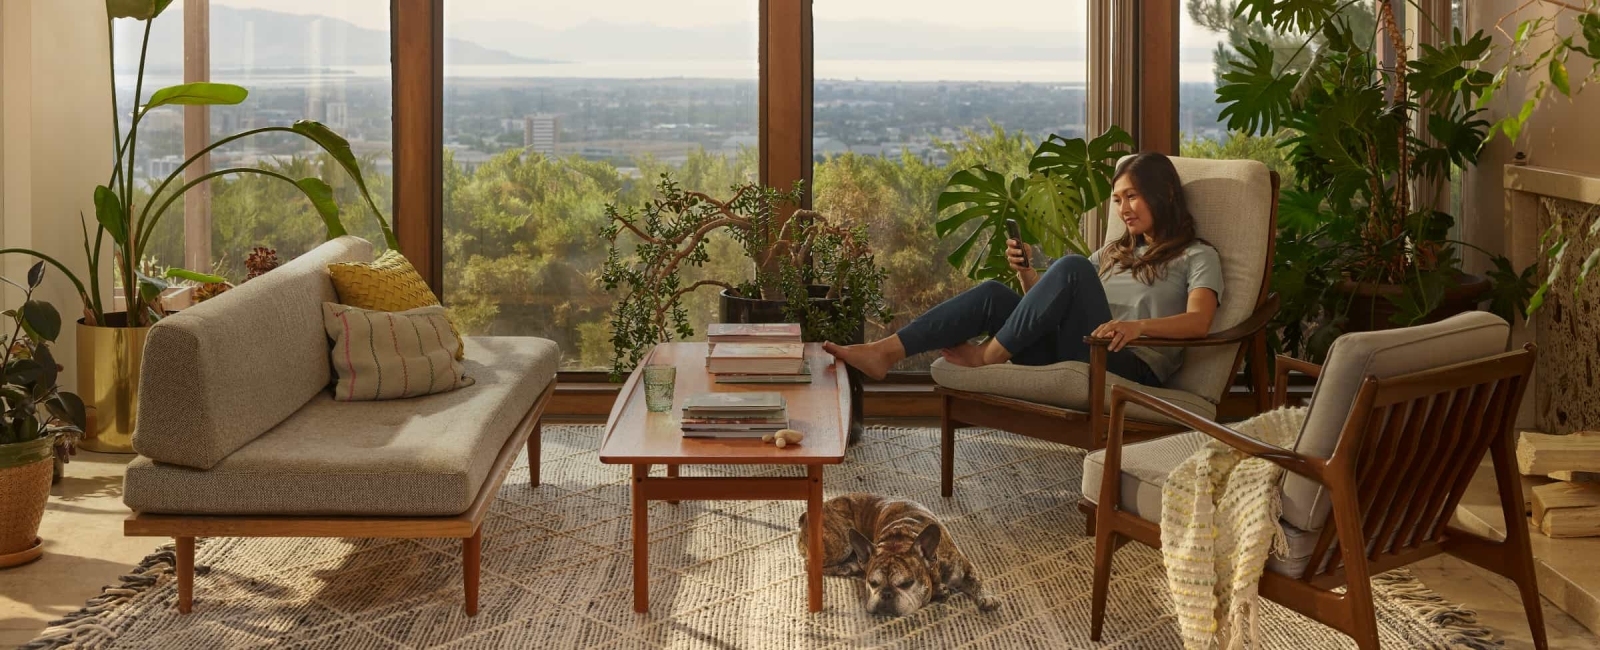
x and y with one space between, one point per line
110 344
805 269
36 418
1374 140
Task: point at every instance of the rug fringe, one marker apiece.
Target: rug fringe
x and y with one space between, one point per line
89 627
1457 625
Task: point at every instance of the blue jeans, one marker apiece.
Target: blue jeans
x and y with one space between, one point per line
1043 327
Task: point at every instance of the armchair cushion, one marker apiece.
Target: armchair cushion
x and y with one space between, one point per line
1388 353
1064 385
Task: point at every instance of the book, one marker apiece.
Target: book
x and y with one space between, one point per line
736 427
725 378
779 418
756 435
717 333
757 358
734 402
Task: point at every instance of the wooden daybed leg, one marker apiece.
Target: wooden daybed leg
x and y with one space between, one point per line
185 548
471 553
534 442
947 450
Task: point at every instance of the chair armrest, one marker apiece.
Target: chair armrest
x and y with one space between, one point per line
1286 365
1250 327
1313 468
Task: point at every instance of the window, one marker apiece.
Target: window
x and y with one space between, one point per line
322 60
552 110
906 93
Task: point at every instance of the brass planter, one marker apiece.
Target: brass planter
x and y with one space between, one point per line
109 359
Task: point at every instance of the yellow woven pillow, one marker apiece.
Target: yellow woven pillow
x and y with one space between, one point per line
388 283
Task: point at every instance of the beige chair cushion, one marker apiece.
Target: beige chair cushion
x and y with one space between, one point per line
1389 353
222 372
423 456
1231 201
1145 466
382 355
1064 384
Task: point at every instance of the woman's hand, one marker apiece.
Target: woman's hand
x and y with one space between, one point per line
1018 255
1121 332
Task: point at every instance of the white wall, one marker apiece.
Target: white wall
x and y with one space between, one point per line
55 137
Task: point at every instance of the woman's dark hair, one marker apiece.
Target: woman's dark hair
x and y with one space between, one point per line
1158 184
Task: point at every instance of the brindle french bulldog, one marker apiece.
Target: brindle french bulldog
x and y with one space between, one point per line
905 555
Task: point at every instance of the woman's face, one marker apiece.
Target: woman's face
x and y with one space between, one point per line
1129 205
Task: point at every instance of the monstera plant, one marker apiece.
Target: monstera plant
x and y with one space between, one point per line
1066 178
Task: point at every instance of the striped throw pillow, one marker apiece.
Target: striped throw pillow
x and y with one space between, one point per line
391 355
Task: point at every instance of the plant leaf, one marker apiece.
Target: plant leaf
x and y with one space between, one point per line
194 276
108 211
42 319
200 93
47 372
35 275
136 9
1256 95
321 196
69 408
1558 76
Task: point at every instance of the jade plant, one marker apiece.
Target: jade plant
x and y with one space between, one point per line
129 226
32 406
790 251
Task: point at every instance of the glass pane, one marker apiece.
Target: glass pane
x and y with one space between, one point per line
159 149
553 110
322 60
901 104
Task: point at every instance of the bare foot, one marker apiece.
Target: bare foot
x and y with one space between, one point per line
966 355
867 358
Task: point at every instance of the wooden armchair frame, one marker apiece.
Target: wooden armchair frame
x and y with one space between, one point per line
1397 472
1088 430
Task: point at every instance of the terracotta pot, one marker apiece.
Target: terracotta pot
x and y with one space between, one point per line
1370 309
25 470
738 309
109 359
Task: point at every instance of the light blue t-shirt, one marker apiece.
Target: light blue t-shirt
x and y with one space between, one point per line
1199 268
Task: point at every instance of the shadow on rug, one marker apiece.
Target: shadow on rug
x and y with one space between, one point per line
557 571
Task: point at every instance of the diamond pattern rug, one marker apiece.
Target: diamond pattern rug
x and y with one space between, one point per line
557 571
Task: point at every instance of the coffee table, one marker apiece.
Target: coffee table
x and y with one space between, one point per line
634 436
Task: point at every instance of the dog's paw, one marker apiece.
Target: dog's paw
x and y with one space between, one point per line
987 602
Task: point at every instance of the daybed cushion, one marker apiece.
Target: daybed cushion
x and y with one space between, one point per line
416 457
1145 466
1064 384
222 372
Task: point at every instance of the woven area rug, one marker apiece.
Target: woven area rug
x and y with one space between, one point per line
557 572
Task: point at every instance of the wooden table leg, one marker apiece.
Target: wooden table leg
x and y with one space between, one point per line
185 553
672 472
814 541
641 541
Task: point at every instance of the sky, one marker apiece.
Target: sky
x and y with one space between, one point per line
1021 15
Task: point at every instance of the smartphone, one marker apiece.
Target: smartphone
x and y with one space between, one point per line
1013 230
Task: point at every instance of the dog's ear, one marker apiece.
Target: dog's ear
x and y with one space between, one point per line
861 545
928 541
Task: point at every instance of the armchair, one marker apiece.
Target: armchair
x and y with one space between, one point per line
1234 203
1398 423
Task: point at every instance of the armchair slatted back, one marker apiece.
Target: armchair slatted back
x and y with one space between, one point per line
1410 446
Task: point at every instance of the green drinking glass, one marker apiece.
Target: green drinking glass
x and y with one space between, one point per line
659 380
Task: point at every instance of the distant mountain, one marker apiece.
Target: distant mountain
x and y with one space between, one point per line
874 40
259 38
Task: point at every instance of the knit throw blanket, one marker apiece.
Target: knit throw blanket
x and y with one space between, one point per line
1220 514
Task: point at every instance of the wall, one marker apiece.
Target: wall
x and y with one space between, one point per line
55 141
1561 135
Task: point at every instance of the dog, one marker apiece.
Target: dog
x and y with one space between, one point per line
905 556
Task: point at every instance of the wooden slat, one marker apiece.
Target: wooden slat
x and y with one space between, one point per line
418 56
1419 492
725 488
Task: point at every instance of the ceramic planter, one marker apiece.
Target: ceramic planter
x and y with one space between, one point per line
109 359
1370 308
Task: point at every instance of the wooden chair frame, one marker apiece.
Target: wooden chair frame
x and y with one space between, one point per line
467 526
1397 472
1088 430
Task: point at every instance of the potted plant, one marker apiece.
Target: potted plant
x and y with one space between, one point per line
1067 177
38 421
110 344
806 269
1373 140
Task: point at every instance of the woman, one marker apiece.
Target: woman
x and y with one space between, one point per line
1157 280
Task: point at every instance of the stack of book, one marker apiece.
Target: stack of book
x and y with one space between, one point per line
734 415
744 353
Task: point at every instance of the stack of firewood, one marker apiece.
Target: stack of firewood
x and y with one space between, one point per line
1569 506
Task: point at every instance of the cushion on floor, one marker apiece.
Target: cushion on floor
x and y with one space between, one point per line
422 456
1064 384
1145 466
